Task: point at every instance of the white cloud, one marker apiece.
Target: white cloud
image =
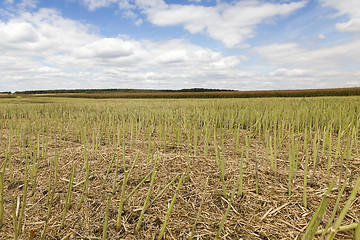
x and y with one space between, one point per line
346 7
350 7
27 4
321 36
44 50
94 4
105 48
230 23
351 26
291 54
297 67
290 72
18 32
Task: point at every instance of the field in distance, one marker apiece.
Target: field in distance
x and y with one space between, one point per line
187 93
254 168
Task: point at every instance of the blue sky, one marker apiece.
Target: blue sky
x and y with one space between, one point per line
157 44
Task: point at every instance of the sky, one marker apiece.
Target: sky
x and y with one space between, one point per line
163 44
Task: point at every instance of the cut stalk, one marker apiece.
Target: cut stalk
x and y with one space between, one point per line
315 220
15 219
305 179
121 204
137 228
170 208
68 197
108 171
138 186
104 235
240 191
163 190
85 190
341 229
199 211
2 193
227 209
357 232
335 209
345 210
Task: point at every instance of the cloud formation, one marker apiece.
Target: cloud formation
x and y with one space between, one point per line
41 48
230 23
51 47
346 7
323 67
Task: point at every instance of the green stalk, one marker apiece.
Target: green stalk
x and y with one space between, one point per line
115 174
2 192
51 194
149 149
271 155
256 175
330 154
15 219
21 214
237 139
178 137
291 167
121 204
305 178
240 191
104 236
8 155
133 165
165 137
123 154
275 151
335 209
216 147
357 232
188 162
138 225
2 196
206 141
68 197
315 157
108 171
199 211
315 220
247 148
266 149
345 209
138 186
170 208
195 141
341 229
222 172
227 209
163 190
85 190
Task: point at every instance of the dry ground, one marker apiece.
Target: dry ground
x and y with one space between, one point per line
270 214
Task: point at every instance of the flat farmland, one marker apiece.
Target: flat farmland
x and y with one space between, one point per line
257 168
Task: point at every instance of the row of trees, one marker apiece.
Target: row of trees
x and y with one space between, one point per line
184 93
116 90
219 94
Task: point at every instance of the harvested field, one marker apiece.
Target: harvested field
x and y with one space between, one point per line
112 145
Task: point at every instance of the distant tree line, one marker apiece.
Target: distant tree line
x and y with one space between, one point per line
217 94
187 93
117 90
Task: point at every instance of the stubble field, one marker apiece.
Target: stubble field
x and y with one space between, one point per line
179 168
